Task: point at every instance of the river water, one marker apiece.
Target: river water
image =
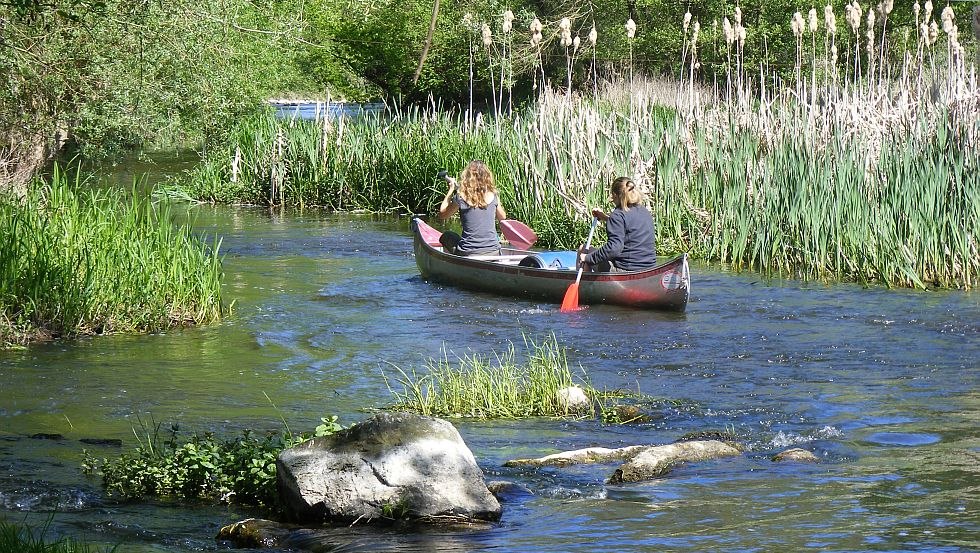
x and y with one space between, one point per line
881 384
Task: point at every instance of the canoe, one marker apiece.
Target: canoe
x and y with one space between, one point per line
546 276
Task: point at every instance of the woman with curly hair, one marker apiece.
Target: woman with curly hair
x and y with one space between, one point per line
479 208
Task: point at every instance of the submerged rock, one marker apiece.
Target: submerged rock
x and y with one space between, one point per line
642 461
796 454
255 533
657 461
391 466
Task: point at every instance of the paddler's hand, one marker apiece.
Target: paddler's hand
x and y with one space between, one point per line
580 259
599 214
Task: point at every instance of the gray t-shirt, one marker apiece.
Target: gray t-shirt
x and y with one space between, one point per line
479 228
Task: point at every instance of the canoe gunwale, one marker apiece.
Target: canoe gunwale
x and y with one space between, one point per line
646 289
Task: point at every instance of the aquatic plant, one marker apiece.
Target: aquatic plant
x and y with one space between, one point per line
21 538
240 470
488 386
76 260
868 175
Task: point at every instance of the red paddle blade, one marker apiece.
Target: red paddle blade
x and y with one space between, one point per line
570 303
518 234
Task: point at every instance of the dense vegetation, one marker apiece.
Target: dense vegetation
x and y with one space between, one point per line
76 260
863 170
203 467
190 69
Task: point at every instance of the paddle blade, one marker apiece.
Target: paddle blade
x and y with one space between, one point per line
570 303
518 234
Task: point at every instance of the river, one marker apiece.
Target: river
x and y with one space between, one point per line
881 384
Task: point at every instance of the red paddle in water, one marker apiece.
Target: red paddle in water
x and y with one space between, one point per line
570 303
518 234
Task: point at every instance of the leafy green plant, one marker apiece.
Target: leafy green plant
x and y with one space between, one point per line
240 470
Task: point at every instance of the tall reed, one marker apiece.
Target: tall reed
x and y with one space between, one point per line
76 260
483 386
868 174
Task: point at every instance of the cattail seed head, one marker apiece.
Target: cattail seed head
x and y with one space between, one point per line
508 21
695 30
577 42
948 20
565 24
468 19
797 24
933 33
630 28
487 35
928 12
915 9
738 16
871 20
536 32
854 16
830 19
729 31
741 35
889 6
687 20
593 36
812 20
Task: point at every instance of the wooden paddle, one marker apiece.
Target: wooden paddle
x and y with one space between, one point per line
518 234
570 302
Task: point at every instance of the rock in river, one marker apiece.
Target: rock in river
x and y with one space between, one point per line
391 466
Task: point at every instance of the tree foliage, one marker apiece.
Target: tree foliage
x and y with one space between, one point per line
111 74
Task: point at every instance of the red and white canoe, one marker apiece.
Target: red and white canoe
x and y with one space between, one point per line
528 274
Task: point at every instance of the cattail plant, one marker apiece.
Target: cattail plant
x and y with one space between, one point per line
565 29
798 26
468 29
630 34
536 38
812 27
729 41
593 37
853 15
830 42
507 64
486 36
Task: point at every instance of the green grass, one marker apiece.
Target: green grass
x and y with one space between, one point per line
76 260
488 386
17 538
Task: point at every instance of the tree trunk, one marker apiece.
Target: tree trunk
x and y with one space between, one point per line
428 42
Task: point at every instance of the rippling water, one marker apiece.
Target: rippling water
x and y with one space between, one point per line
881 384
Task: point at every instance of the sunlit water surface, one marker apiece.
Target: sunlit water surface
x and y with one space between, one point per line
881 384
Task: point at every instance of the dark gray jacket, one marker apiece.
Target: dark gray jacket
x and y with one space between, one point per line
631 244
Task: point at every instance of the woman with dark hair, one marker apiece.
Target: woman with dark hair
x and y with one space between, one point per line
630 231
479 208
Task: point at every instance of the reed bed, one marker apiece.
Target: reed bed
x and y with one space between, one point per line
488 386
863 168
76 260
